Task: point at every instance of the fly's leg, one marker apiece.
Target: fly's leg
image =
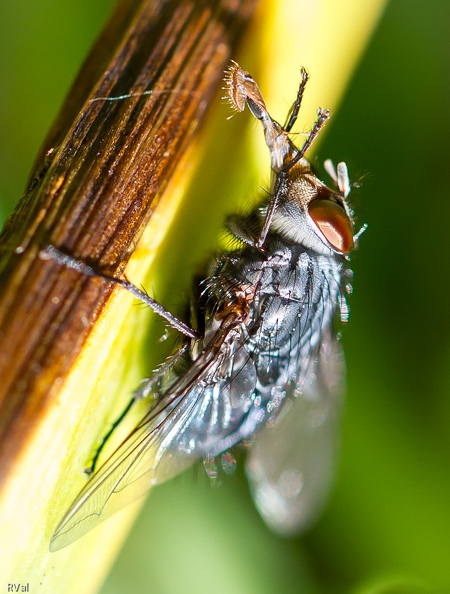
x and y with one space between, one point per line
142 392
157 374
282 175
52 253
242 90
322 116
293 112
279 188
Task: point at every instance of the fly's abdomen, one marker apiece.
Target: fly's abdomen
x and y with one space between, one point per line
295 298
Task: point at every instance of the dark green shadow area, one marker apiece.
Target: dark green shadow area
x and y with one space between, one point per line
42 46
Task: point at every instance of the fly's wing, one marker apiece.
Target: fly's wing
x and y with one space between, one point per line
144 458
290 467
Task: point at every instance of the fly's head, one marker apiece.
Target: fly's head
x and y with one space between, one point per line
311 214
302 210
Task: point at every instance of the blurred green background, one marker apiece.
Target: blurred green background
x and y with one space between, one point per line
387 527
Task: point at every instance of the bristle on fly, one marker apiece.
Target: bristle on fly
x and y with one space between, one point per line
241 87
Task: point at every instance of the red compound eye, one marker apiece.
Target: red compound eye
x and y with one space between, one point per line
334 224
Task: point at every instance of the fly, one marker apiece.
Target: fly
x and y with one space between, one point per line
263 362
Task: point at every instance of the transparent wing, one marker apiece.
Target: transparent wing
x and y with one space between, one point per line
290 467
146 456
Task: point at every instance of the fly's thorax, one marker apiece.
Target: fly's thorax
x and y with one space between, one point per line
311 214
298 296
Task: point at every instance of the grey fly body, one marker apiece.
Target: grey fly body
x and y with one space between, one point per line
263 362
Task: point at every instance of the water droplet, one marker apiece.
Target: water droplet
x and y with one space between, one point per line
344 309
211 469
228 462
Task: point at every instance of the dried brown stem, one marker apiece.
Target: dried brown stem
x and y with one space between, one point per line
101 171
